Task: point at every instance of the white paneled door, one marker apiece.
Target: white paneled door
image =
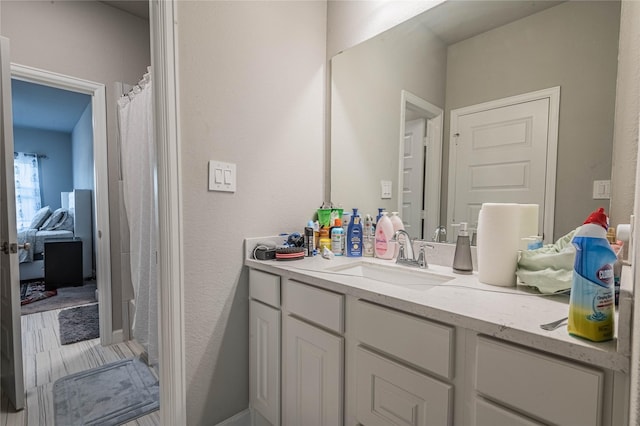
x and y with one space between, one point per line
503 151
413 176
10 329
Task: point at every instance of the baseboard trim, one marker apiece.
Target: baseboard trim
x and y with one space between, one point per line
243 418
117 336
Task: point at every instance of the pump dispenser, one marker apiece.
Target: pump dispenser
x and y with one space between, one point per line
462 263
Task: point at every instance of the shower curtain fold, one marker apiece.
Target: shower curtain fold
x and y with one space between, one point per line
135 114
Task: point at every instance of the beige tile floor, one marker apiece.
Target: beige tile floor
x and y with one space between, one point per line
45 361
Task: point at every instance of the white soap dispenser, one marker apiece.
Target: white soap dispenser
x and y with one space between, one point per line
462 263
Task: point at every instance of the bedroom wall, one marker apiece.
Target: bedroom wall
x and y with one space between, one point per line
90 40
251 92
82 151
55 170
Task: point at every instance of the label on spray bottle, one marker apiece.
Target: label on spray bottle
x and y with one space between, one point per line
591 308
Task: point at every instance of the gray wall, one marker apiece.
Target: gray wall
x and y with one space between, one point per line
522 57
55 171
252 93
366 85
89 40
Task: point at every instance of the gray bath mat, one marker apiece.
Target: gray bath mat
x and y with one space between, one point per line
79 323
112 394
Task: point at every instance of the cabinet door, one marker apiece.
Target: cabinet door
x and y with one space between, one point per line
391 394
488 414
313 380
264 360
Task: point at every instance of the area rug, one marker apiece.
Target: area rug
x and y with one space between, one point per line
112 394
34 291
66 297
79 323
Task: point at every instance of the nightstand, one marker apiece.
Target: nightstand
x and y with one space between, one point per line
62 263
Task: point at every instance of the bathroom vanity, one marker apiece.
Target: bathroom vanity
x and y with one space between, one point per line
353 341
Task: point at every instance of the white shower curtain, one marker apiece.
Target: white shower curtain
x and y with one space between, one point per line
138 153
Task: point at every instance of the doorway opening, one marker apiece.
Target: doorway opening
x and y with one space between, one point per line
93 214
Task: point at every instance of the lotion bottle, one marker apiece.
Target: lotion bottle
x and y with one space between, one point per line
354 236
384 248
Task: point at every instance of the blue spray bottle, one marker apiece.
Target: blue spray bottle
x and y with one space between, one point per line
591 310
354 235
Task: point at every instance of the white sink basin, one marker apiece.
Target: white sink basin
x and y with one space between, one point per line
417 279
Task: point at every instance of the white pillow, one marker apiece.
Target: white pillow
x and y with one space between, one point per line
56 218
40 217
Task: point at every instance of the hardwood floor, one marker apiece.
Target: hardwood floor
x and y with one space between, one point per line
46 360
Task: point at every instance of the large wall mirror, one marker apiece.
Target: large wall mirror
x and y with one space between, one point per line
421 78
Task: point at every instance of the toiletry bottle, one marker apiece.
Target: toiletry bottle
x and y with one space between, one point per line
591 310
369 236
337 238
384 248
397 225
325 239
309 245
462 263
354 236
380 210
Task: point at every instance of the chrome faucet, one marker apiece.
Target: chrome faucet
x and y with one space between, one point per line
409 258
440 234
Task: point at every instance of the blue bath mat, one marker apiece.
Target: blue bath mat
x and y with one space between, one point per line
109 395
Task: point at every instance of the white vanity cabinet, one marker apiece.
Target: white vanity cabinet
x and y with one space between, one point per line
539 389
325 354
264 346
312 356
403 365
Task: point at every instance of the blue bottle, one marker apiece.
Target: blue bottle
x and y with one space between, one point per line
354 236
591 310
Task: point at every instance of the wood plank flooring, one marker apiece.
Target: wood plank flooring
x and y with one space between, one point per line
46 360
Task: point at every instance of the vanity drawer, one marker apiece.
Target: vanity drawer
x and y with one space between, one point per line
423 343
390 394
548 388
264 287
322 307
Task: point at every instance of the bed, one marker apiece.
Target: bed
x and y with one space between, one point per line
72 220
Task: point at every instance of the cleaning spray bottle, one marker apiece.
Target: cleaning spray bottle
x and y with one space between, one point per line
591 310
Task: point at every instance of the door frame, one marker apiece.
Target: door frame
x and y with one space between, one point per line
101 229
433 157
551 93
164 70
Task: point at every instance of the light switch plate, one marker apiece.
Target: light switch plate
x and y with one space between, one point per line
601 189
222 176
385 189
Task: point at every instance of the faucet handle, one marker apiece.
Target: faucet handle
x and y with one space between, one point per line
401 255
422 258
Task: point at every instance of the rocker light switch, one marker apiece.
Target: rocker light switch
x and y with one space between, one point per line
385 189
222 176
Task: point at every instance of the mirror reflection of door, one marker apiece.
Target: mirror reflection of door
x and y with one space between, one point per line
420 165
413 175
503 151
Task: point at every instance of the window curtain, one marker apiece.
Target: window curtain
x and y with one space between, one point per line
135 114
27 178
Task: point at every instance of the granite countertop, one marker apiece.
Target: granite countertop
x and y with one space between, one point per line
513 314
